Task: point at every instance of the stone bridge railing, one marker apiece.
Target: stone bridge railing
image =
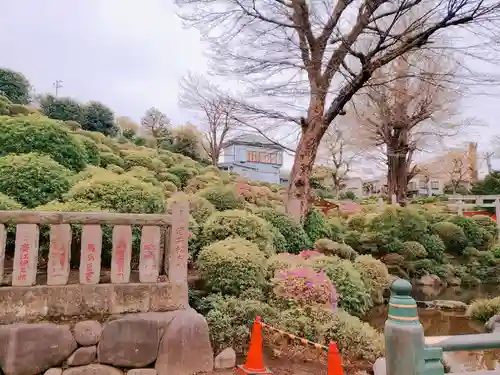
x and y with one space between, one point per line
408 352
163 245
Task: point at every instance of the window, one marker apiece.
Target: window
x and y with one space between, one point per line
252 156
274 159
422 184
413 185
264 157
435 185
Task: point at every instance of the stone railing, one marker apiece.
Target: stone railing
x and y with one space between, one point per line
408 352
164 244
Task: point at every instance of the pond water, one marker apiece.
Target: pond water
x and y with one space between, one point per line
442 323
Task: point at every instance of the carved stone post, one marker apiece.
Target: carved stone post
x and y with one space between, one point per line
404 334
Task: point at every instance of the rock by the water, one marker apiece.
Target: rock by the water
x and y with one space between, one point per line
129 342
226 359
493 324
450 305
94 369
53 371
82 356
429 280
35 348
185 347
87 333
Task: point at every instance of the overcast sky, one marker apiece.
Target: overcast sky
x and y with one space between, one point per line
128 54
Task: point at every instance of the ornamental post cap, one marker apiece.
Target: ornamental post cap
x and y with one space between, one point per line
401 287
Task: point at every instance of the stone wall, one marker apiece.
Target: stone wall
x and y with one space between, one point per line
155 343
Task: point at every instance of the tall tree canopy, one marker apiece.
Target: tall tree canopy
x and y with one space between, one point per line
15 86
308 58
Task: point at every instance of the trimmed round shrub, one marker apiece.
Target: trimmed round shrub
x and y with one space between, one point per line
356 339
239 223
279 241
231 266
223 197
33 179
91 150
354 295
405 224
200 182
356 222
484 309
26 134
115 169
169 188
230 320
413 250
143 174
7 203
108 158
452 235
284 261
120 193
183 173
434 246
295 236
166 176
329 247
486 223
353 239
476 236
138 159
316 225
375 276
199 207
304 286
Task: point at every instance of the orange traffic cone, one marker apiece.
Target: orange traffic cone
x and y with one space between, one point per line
334 361
255 359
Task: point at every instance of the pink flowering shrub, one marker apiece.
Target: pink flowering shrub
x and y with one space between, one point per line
304 286
306 254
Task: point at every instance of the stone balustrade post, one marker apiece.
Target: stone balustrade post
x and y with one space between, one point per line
404 334
433 361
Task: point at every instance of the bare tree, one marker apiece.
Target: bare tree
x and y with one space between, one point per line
216 109
337 151
306 59
458 170
157 124
413 111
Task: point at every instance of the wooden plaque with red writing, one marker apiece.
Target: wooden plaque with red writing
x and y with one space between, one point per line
26 255
178 246
59 253
90 254
149 264
122 254
3 239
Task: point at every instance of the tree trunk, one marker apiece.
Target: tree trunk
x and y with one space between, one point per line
299 185
397 174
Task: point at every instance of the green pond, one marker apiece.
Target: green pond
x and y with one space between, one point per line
442 323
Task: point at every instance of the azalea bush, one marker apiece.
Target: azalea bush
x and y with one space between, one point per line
305 287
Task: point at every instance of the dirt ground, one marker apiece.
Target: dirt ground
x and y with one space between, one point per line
283 367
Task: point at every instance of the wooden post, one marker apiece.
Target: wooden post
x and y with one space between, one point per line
497 214
394 200
149 263
3 240
177 255
460 207
293 208
122 254
380 204
404 334
59 253
90 255
26 255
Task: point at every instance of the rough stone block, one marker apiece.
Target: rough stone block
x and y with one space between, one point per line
34 348
226 359
82 356
142 371
185 346
94 369
87 332
129 342
53 371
